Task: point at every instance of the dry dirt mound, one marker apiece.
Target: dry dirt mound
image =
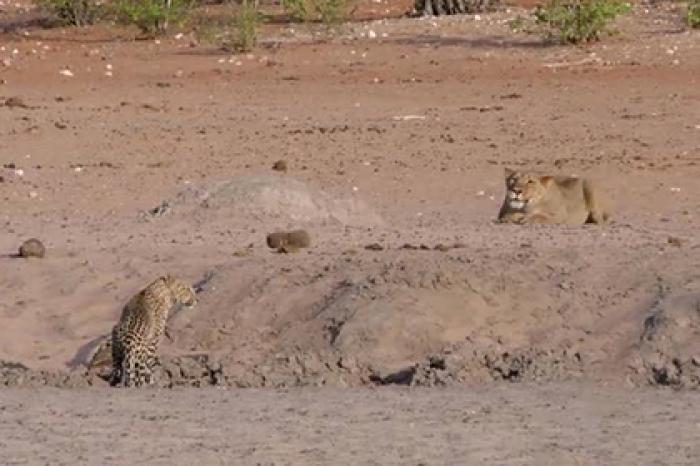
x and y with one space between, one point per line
668 352
271 197
423 317
531 309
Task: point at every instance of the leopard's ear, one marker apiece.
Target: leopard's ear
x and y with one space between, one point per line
508 172
546 180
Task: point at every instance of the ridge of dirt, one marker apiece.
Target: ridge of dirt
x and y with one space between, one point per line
157 156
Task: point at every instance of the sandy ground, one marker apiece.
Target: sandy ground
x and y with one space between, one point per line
156 156
505 424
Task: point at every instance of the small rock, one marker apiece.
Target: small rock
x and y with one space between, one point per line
675 241
161 209
67 73
374 247
32 248
289 240
280 166
15 102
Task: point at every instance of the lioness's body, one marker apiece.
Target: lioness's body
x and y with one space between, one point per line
551 199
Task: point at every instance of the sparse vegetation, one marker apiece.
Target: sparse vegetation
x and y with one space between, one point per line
70 12
325 11
575 21
152 17
246 27
298 10
331 11
692 16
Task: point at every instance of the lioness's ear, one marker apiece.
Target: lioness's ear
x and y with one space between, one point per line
546 180
508 172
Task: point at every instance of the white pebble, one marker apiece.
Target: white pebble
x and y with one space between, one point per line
67 73
371 34
675 190
19 172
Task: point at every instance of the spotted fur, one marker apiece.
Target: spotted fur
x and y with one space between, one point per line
136 336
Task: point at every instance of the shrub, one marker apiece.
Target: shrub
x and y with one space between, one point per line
246 25
325 11
577 21
692 16
70 12
152 17
298 10
331 11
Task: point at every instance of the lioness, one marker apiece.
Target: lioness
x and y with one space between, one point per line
567 200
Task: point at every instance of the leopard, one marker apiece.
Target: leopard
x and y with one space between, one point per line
137 335
545 199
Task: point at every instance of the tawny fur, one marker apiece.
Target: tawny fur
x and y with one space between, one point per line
532 198
136 336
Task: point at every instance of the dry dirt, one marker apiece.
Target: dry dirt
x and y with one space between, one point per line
506 424
157 156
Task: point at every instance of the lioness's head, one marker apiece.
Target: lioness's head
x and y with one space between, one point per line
522 188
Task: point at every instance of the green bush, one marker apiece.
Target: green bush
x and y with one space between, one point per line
298 10
577 21
152 17
331 11
70 12
246 27
325 11
692 16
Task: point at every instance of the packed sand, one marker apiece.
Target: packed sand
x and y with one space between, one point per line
394 149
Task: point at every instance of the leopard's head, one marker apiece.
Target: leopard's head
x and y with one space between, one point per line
182 294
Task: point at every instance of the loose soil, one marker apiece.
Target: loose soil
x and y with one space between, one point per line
130 159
